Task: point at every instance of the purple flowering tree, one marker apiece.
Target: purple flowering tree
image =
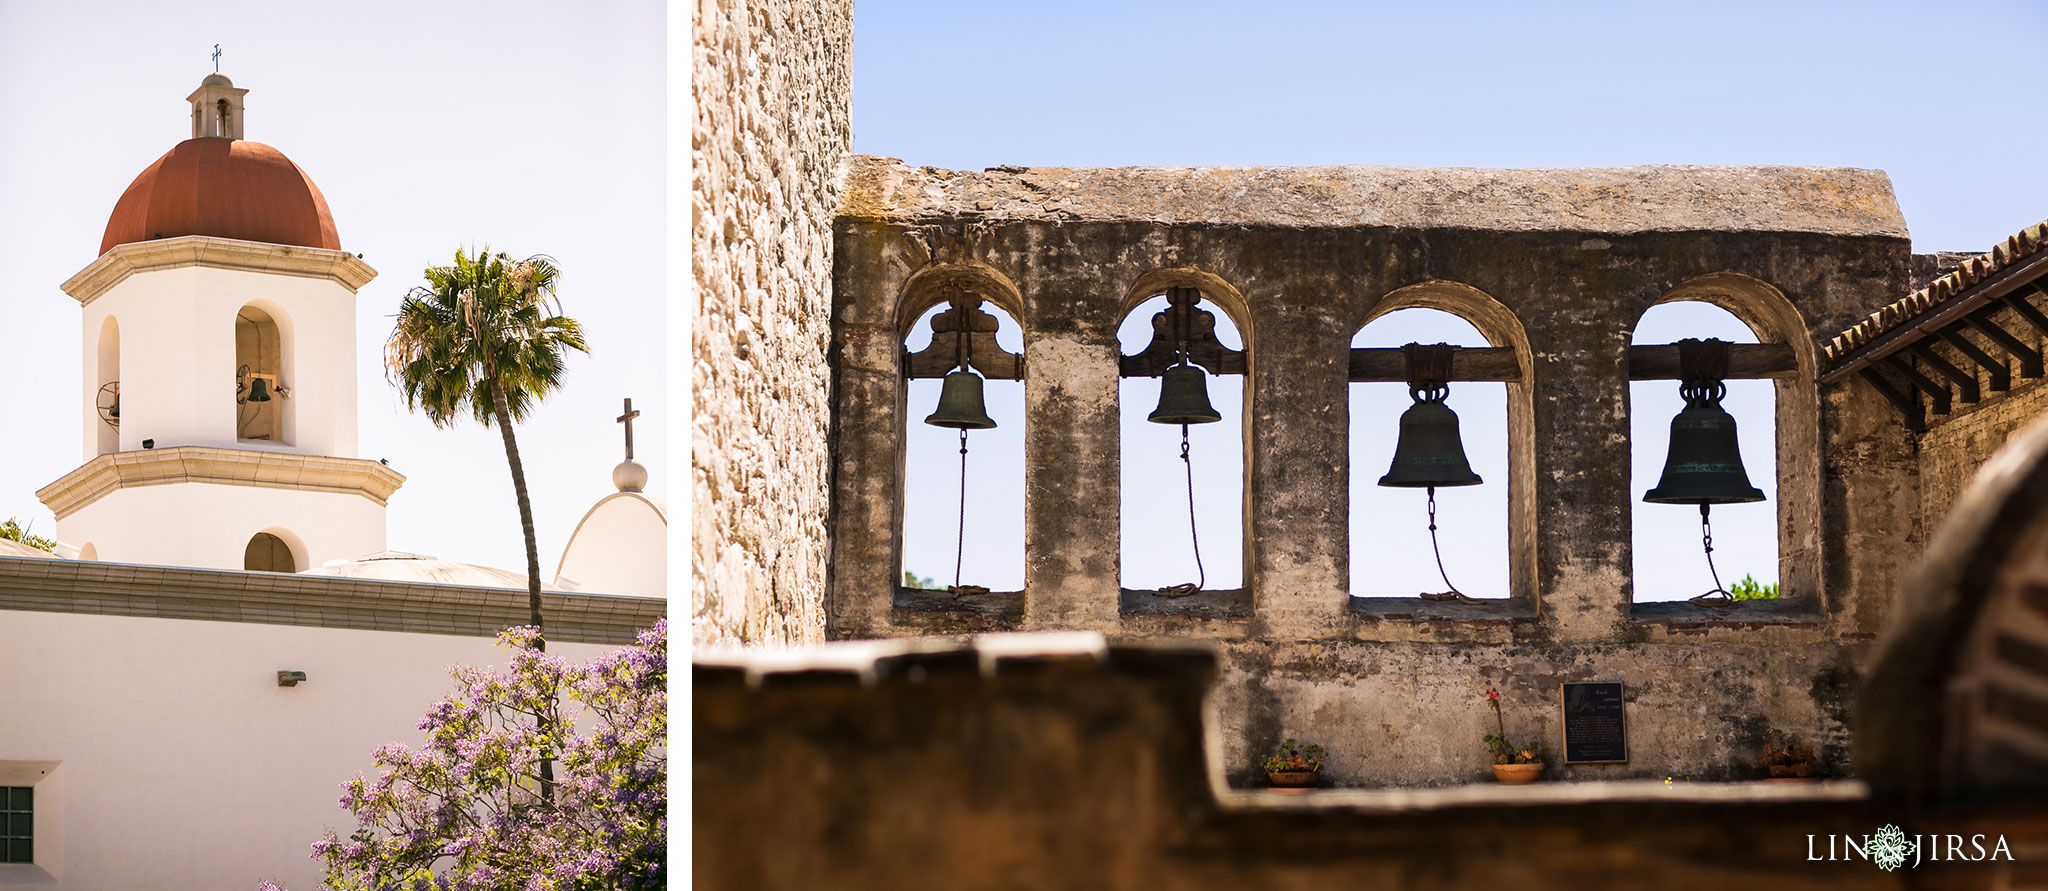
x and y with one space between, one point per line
465 810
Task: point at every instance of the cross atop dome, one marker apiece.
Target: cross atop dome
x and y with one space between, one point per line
217 107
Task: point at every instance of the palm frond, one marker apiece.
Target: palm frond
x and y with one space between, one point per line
483 319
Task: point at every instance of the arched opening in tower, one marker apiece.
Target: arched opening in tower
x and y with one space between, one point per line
268 553
259 377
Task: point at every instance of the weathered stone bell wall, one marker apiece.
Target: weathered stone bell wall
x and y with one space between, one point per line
772 84
1392 685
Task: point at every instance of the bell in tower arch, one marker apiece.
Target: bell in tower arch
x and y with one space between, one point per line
1429 452
1704 463
1184 397
960 403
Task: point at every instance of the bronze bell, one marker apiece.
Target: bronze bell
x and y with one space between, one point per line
1705 464
1429 452
259 390
960 405
1184 397
115 411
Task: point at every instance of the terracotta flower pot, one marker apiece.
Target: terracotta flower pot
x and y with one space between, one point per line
1293 779
1517 774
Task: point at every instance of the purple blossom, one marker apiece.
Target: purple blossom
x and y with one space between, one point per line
464 811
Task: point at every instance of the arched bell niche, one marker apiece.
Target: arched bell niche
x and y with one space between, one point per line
1391 550
1167 326
1670 557
982 534
262 345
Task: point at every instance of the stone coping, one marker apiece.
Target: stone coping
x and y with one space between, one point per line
218 595
104 474
1542 794
122 261
1485 610
1609 200
1792 611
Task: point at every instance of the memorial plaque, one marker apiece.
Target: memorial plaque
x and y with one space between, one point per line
1594 730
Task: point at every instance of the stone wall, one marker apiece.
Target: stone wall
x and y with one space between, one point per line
1028 761
772 83
1957 444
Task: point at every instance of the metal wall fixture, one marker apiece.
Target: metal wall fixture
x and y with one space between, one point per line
108 402
1704 464
1429 452
290 678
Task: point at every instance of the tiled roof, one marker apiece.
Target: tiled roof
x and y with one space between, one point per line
2021 245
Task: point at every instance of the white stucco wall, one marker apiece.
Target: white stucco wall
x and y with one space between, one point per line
209 525
621 547
177 358
180 764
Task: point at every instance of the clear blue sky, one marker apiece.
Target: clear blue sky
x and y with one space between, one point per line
1939 96
531 126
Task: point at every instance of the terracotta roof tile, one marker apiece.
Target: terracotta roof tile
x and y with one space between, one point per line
2019 246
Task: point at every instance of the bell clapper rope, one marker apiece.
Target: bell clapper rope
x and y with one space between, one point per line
1453 594
1201 575
960 542
1719 596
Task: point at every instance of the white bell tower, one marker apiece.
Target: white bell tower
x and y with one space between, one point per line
219 376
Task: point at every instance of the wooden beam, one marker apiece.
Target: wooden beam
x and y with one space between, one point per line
1908 405
1966 382
1659 362
2030 358
1646 362
1996 369
1388 365
1936 393
2018 301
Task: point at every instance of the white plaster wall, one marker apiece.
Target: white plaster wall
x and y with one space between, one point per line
178 358
209 525
621 547
184 765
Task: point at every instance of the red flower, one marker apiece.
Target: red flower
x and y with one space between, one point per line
1493 695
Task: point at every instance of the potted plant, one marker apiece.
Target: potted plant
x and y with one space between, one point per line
1294 765
1791 764
1512 764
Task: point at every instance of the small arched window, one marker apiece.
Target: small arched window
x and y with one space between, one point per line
268 553
1167 464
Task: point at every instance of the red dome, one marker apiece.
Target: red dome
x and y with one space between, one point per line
228 188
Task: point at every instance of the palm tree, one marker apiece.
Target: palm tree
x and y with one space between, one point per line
485 338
